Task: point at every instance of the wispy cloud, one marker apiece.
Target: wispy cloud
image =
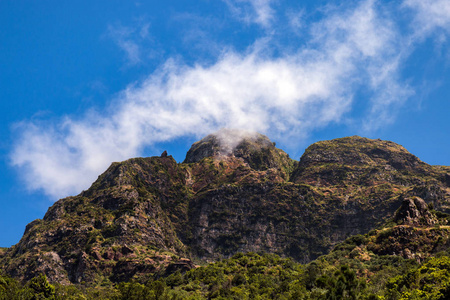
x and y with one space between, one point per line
430 14
289 95
253 11
129 40
295 19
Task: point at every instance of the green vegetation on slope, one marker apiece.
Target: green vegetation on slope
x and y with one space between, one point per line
263 276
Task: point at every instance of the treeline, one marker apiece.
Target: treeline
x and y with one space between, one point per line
263 276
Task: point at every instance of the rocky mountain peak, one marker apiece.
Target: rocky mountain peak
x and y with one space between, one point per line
226 142
359 160
357 150
254 148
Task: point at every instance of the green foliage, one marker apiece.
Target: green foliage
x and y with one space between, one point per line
429 281
263 276
38 288
11 289
42 288
342 285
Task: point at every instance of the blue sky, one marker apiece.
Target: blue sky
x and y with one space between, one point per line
85 83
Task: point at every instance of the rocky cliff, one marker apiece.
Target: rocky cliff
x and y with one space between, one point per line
235 192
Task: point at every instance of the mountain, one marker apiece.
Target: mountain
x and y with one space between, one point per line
235 192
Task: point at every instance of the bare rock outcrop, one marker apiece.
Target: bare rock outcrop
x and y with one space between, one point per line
414 211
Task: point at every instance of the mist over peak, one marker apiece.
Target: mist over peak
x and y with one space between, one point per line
224 142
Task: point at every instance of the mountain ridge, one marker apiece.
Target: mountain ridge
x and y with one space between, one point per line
147 216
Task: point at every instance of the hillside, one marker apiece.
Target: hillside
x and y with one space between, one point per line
235 192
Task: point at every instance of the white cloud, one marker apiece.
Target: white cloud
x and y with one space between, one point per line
430 14
285 96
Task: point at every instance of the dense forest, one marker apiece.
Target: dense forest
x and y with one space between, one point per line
266 276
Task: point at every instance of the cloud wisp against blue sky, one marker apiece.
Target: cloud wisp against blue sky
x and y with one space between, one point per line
430 15
252 11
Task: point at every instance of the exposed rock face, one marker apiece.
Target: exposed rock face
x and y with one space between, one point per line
360 161
293 220
255 149
234 192
119 224
223 143
417 233
414 212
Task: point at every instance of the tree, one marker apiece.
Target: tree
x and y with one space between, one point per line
342 285
42 288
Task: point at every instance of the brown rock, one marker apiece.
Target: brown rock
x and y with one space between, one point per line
96 255
414 211
108 255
